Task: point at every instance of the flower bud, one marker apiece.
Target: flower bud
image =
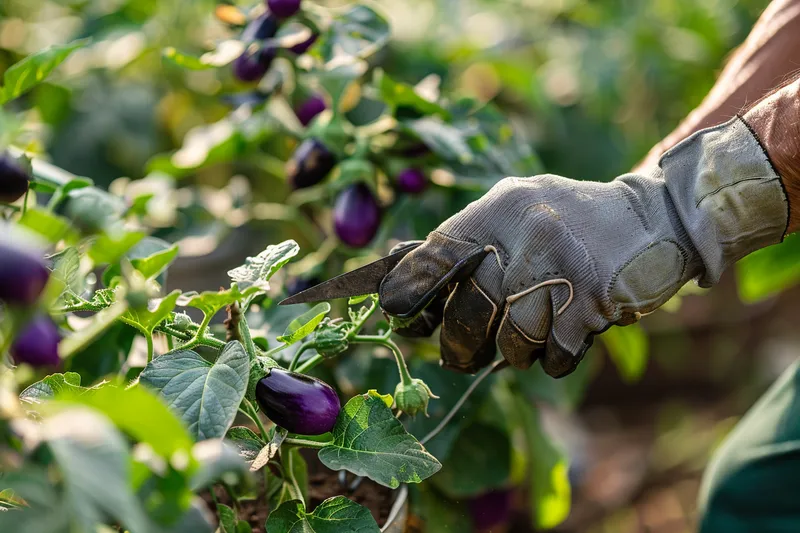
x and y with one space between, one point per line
413 397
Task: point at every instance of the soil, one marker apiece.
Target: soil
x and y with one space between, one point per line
322 484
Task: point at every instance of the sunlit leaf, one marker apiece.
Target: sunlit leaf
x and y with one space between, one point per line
256 271
305 323
32 70
628 347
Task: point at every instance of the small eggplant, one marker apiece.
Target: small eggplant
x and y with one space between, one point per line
251 66
356 215
13 179
23 274
37 344
309 165
310 108
298 403
283 8
412 181
300 284
260 28
302 47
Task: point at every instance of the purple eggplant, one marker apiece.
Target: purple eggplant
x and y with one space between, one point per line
412 180
283 8
300 284
298 403
302 47
309 165
14 179
37 344
258 29
356 215
251 66
23 274
491 510
310 108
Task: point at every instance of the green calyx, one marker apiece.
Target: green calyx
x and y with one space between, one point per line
413 397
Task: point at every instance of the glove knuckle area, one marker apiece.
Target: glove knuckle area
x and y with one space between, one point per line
524 327
419 272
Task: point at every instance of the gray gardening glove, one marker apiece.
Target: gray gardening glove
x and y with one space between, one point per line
539 265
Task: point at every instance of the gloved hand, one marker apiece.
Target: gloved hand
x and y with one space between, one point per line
547 262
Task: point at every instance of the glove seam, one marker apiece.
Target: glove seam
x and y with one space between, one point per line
498 247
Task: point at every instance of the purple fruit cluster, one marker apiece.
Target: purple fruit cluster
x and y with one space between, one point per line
298 403
13 179
23 276
309 165
356 215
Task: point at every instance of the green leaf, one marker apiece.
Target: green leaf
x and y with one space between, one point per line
227 518
770 270
107 249
550 489
32 70
140 414
369 441
448 142
50 226
209 302
305 323
334 515
205 396
628 348
256 271
50 386
66 268
355 300
151 257
480 461
398 94
217 459
185 60
357 30
46 512
246 441
279 490
92 211
147 320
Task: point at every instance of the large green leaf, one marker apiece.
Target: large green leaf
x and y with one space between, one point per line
357 30
305 323
109 248
205 396
628 348
32 70
369 441
66 268
334 515
147 319
51 227
256 271
770 270
50 386
151 257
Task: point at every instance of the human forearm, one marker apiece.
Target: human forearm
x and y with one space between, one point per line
770 54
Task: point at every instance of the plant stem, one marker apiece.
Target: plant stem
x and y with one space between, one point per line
309 364
290 474
200 336
149 338
405 376
304 443
254 417
467 393
271 352
296 359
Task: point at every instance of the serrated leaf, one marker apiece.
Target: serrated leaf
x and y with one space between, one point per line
334 515
305 323
246 441
50 386
205 396
107 249
52 227
369 441
256 271
32 70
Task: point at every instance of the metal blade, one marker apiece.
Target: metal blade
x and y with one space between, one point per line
361 281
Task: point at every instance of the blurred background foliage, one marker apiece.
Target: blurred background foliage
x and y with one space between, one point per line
592 86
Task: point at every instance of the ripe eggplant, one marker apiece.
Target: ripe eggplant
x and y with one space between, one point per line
309 165
37 344
251 66
283 8
13 179
23 274
302 47
310 108
298 403
263 27
412 181
356 215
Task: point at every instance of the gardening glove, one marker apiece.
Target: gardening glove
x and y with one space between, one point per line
540 265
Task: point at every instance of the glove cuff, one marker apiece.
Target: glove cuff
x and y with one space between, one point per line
727 194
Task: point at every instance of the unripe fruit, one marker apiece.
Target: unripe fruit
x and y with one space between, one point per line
37 344
302 47
251 66
309 109
283 8
309 165
356 215
412 180
413 398
298 403
14 179
23 274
